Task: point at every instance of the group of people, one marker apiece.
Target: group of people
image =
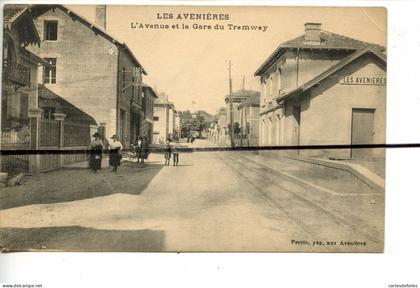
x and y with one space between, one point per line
141 148
115 148
96 150
171 150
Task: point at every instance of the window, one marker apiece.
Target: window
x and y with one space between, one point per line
50 30
123 77
278 80
272 88
264 91
50 72
24 105
49 113
155 118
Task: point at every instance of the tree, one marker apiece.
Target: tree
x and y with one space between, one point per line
198 121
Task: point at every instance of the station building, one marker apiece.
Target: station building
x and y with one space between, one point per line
324 89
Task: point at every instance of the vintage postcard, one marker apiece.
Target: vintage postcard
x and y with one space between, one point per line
193 128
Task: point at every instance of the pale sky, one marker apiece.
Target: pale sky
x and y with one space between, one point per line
191 65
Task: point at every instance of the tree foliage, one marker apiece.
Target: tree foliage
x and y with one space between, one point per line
198 121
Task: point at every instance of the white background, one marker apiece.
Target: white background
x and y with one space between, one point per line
398 265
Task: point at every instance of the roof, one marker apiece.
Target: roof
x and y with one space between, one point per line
367 49
38 9
254 100
145 86
240 94
12 11
14 14
329 40
162 100
47 98
35 58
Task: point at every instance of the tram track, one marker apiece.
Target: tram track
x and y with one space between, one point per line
296 202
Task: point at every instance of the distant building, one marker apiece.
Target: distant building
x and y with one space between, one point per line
324 89
218 131
149 97
249 114
164 119
91 69
237 98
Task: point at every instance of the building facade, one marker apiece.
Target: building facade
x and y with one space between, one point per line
237 98
218 131
324 89
91 69
249 115
149 97
164 120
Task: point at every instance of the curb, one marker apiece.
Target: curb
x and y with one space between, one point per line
366 176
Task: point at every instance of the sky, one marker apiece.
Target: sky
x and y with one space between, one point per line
191 65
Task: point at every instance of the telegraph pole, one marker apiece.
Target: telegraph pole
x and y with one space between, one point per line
232 143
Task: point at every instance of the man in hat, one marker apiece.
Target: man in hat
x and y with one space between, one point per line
115 149
96 147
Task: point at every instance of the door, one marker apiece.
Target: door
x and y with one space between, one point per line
296 126
123 125
362 131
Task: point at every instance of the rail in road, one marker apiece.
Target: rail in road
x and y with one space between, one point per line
312 218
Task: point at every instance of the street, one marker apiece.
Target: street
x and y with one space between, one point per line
213 201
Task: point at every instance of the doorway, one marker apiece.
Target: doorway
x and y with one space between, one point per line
296 126
362 131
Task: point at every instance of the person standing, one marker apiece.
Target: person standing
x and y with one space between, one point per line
138 147
175 153
95 158
115 149
167 153
144 149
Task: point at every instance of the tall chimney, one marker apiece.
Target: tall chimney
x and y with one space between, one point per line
313 33
100 16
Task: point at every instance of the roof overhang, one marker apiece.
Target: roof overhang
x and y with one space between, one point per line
332 70
25 26
145 86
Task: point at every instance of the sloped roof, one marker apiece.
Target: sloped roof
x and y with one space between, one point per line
12 11
47 98
146 86
18 14
329 40
367 49
254 100
38 9
241 94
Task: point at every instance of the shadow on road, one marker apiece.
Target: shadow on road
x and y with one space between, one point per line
76 238
71 185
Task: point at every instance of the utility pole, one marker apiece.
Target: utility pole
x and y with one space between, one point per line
232 143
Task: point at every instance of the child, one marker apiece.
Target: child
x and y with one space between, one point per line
167 153
175 152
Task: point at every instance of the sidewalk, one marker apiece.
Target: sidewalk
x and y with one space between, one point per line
340 183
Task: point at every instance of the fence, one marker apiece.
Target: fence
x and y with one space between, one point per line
15 141
50 133
76 137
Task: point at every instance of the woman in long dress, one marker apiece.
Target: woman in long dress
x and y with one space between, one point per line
95 158
115 149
